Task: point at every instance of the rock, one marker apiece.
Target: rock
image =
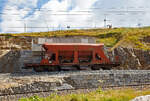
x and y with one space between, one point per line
64 86
142 98
131 58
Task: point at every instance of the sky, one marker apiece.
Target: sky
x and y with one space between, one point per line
17 16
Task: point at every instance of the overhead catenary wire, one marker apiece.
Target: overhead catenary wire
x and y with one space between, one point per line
117 12
51 27
44 20
122 7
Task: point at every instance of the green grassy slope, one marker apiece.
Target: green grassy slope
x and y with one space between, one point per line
126 37
98 95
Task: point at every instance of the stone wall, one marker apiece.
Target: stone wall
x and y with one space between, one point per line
8 62
13 61
109 78
41 82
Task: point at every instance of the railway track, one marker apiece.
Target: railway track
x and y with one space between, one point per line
140 86
76 72
17 96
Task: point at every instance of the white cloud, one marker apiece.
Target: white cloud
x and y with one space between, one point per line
23 3
58 17
9 20
75 17
13 16
127 18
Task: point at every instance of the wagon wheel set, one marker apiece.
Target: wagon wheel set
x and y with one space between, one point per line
48 69
70 68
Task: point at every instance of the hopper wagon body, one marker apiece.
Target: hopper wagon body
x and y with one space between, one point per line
57 56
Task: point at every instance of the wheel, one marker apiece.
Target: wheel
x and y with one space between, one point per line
77 67
53 68
38 69
106 68
95 68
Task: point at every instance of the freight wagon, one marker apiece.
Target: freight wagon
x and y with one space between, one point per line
72 56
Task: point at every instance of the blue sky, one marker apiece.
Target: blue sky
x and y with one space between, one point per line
48 15
2 4
39 5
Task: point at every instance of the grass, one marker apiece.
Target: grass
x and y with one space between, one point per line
127 37
98 95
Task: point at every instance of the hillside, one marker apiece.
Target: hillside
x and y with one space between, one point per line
125 37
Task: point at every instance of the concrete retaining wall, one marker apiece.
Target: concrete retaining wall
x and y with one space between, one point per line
37 43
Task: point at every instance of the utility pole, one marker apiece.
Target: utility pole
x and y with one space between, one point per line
105 21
